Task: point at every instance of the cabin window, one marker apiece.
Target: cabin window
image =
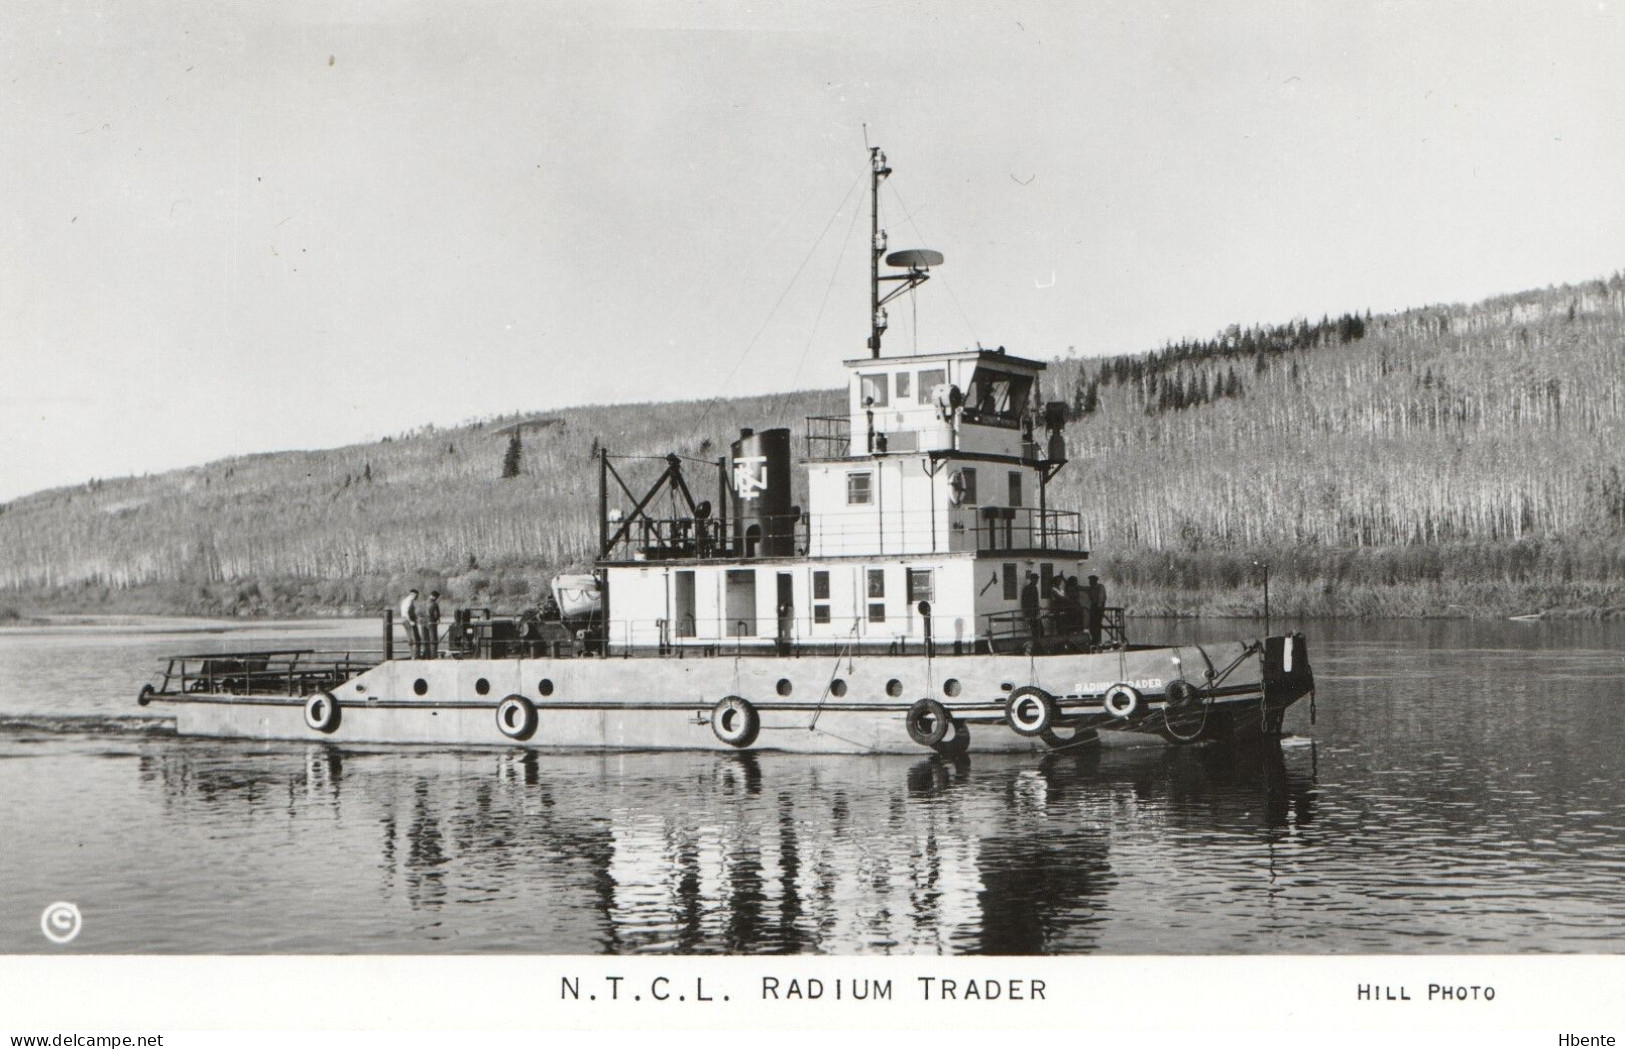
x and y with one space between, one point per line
919 586
1046 578
1015 489
877 595
967 477
902 386
740 602
820 594
930 379
872 390
1012 586
858 488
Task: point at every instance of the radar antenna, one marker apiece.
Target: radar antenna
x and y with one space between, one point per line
917 260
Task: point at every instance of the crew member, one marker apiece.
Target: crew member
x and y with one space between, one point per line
1060 610
1077 611
431 635
1030 608
409 621
1097 608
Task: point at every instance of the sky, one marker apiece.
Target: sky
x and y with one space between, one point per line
238 228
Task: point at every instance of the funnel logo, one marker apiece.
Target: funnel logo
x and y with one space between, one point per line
750 475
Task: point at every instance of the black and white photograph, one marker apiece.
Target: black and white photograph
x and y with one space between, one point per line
953 497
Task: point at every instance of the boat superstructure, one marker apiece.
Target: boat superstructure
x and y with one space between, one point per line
928 596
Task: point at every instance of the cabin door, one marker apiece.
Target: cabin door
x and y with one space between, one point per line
683 604
786 608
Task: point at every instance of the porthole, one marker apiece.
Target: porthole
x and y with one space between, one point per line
483 687
783 687
950 687
894 688
837 688
545 686
421 687
1006 686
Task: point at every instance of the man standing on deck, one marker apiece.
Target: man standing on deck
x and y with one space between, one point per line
1095 595
409 621
1077 607
1030 607
431 635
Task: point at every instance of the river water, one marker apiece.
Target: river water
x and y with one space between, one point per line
1459 791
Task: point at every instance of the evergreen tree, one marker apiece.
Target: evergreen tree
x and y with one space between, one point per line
511 460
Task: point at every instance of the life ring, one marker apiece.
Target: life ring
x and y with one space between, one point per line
1123 701
322 712
956 488
1179 693
516 717
147 692
735 721
928 722
1030 711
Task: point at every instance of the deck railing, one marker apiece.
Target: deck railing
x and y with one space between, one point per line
828 436
281 672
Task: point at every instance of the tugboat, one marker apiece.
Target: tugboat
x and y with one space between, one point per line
927 600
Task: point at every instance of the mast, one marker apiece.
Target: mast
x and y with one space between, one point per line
877 247
918 260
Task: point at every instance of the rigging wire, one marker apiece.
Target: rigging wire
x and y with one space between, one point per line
839 257
777 303
908 217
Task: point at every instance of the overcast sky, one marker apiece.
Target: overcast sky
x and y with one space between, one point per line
233 228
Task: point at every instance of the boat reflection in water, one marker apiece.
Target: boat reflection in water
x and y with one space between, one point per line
703 853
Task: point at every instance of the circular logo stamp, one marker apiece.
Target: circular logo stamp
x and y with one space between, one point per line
61 922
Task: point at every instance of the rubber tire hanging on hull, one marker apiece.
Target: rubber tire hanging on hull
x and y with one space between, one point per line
322 712
1124 702
1180 711
928 722
516 718
735 721
1031 711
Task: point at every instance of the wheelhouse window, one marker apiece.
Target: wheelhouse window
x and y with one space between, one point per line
873 389
998 397
859 488
930 379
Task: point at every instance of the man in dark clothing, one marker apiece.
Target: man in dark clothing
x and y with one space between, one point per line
1097 608
1077 612
431 633
1060 613
1030 608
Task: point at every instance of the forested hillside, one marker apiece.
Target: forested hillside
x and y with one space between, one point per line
1447 460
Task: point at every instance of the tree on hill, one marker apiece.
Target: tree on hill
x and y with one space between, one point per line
512 458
